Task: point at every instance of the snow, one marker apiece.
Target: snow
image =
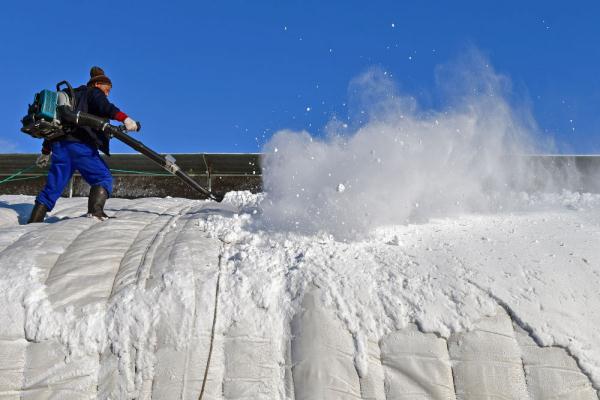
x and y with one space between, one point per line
403 255
122 299
398 155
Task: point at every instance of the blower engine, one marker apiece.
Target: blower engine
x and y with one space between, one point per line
43 119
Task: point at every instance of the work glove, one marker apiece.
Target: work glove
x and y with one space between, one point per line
42 160
131 125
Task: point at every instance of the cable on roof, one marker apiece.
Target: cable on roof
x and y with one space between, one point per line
10 178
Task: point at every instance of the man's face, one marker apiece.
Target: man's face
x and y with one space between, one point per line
104 87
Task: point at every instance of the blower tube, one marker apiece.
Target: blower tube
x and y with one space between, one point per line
79 118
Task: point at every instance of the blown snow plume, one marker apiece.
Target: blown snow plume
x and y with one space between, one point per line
403 163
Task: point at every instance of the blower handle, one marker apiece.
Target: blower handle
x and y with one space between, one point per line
123 129
71 92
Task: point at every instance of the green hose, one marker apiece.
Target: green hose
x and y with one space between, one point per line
15 177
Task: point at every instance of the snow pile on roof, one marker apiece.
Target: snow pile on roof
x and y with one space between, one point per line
124 308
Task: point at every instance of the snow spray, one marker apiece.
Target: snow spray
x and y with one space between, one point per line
403 164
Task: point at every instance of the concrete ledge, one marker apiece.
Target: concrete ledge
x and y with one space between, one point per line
227 172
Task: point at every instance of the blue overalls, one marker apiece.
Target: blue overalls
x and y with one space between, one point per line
68 156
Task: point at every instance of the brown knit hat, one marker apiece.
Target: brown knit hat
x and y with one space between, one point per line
97 76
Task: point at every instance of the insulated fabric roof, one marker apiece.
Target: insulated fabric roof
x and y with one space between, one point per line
143 301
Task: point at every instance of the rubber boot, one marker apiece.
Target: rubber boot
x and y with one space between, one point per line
38 213
98 196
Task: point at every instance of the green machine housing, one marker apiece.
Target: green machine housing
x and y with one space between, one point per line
41 119
47 101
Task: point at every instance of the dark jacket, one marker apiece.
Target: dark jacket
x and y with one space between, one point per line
92 100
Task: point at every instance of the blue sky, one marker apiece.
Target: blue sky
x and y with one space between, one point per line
223 76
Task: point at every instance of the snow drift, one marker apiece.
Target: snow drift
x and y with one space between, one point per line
124 308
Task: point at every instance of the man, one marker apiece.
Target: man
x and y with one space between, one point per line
78 150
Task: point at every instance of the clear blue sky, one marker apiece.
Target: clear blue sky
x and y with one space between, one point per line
221 76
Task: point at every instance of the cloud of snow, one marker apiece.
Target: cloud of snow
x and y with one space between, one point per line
403 163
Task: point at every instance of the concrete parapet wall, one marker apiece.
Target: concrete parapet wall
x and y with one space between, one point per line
136 176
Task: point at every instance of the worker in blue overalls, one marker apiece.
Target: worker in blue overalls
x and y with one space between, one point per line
78 150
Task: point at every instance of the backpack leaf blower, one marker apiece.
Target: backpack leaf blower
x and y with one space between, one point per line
54 112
